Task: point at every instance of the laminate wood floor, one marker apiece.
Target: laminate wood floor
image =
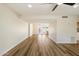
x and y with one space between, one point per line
41 45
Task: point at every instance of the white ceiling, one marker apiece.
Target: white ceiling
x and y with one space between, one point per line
42 11
37 9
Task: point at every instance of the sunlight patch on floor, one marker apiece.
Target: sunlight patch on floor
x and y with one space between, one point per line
42 39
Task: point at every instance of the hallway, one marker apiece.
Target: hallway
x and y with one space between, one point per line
41 45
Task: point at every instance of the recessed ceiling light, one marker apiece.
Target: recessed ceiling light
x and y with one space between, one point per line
75 6
29 5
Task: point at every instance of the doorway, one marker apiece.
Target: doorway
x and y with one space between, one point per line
43 28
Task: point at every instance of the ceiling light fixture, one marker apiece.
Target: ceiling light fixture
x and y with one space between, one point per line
29 5
75 6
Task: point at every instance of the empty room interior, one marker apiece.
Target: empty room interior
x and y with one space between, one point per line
39 29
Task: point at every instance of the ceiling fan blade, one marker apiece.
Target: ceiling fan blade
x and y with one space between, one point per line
70 4
55 7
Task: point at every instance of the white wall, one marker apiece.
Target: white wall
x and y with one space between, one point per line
77 33
66 30
31 29
12 30
77 36
35 28
52 30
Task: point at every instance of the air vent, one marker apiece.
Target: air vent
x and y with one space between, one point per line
64 16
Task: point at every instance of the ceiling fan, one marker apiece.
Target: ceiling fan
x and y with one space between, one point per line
57 4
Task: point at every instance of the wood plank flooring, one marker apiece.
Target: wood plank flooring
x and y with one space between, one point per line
41 45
